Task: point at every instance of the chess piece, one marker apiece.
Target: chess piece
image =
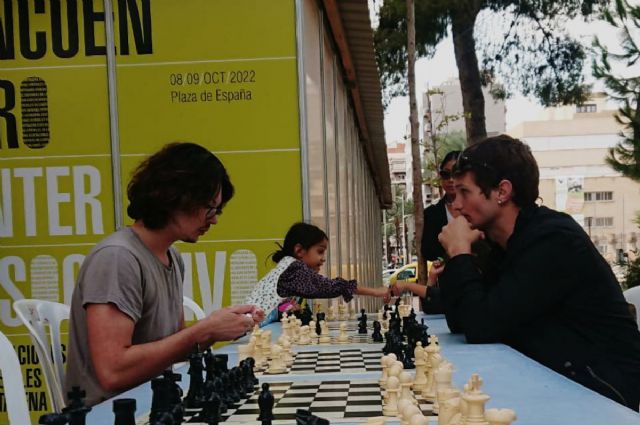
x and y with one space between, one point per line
265 403
377 334
210 413
76 410
244 351
124 410
276 365
408 412
500 416
324 333
362 323
449 402
406 381
195 394
53 419
393 388
421 379
304 338
343 338
443 377
419 419
332 313
475 400
384 362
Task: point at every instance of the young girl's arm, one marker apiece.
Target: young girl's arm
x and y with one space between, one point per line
301 281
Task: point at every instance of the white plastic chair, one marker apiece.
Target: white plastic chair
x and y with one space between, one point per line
16 400
632 295
193 307
36 315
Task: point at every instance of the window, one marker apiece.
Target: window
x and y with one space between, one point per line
587 107
598 196
598 222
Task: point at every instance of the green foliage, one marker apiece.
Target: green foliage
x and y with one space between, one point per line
632 276
625 156
534 56
454 141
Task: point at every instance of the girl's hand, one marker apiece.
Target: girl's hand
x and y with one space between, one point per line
398 289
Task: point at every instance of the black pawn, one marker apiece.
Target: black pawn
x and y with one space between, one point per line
265 403
210 413
377 334
124 410
195 394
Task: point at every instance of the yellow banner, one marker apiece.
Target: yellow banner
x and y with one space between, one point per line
218 73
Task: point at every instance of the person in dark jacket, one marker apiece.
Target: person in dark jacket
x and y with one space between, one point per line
547 292
435 217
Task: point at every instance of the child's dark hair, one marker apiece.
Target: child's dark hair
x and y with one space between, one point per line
304 234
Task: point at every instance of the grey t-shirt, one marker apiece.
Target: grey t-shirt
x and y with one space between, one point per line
121 270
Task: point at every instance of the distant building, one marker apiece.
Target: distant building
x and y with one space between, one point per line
450 103
570 144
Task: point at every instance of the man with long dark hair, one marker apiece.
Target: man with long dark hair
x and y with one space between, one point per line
127 321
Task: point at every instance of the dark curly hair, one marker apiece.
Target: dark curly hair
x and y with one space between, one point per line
304 234
180 177
502 158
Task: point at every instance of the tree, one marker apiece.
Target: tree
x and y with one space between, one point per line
416 164
535 55
625 156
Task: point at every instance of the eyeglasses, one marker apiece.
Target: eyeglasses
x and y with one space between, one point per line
445 174
212 211
466 163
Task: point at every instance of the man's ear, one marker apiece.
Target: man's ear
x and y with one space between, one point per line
505 190
298 250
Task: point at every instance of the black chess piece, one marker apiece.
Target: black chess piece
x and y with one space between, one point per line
195 394
377 335
265 403
167 398
53 419
221 362
210 413
318 328
229 389
76 410
362 322
304 417
252 363
124 410
306 315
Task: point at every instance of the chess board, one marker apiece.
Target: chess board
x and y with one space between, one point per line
351 401
343 361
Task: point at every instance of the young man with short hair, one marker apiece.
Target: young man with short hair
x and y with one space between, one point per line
127 321
547 292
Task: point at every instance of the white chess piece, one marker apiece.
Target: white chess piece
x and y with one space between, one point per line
304 338
402 405
475 400
443 377
421 378
500 416
406 380
324 333
244 351
409 412
394 370
343 338
393 388
419 419
332 312
384 362
449 400
276 365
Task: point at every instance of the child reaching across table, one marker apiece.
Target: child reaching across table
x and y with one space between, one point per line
297 275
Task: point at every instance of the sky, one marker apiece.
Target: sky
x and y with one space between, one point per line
441 67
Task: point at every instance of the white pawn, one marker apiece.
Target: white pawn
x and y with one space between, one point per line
324 333
304 338
276 365
449 400
384 362
393 388
406 380
343 338
500 416
402 405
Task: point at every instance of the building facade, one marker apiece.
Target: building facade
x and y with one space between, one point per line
570 144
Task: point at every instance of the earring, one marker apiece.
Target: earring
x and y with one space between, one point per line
500 201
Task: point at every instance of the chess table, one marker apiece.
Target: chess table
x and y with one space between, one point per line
536 393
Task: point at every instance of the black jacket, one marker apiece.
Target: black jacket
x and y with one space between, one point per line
553 297
435 218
